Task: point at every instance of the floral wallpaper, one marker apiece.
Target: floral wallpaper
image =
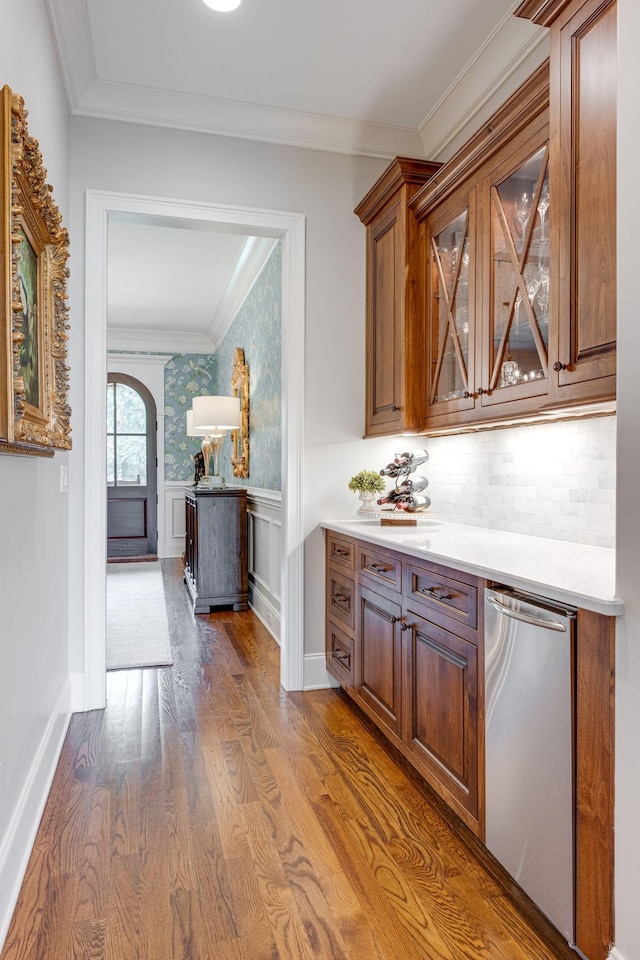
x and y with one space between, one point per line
187 375
257 328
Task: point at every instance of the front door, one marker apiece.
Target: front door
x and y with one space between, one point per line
131 468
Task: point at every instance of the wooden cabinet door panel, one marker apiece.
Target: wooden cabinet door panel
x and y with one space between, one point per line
385 307
378 679
583 91
442 705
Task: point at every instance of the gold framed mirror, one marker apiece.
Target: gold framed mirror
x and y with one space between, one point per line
240 438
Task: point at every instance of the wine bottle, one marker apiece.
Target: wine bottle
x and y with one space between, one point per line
412 484
393 496
411 457
414 504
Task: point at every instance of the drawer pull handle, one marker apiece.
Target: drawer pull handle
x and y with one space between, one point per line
339 598
377 568
340 553
435 593
342 657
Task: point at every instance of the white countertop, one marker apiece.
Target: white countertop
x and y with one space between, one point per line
572 573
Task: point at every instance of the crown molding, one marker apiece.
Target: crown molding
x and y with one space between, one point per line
158 341
152 359
471 98
251 262
70 25
130 103
507 57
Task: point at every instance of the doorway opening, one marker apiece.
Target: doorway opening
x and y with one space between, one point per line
289 227
132 529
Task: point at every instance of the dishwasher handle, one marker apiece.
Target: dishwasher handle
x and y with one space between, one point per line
526 617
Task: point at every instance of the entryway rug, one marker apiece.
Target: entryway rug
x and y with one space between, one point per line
137 626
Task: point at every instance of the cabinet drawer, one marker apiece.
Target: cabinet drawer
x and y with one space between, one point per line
340 553
339 654
380 567
448 596
341 598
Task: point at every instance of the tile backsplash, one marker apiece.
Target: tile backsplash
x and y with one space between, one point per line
549 480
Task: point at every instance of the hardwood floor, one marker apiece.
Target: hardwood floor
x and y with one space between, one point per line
208 815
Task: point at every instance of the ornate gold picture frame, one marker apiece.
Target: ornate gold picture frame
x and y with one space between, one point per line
34 249
240 438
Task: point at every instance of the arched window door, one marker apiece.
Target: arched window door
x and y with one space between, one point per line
131 468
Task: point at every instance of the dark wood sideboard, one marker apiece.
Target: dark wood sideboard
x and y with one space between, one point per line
216 548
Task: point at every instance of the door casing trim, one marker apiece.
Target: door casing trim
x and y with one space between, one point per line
290 228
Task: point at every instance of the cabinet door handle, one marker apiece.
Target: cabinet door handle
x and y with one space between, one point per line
467 395
436 593
376 568
395 409
482 391
389 617
560 366
405 626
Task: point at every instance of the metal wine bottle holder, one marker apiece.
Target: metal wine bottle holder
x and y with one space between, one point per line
406 498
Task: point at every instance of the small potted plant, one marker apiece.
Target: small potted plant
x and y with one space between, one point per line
366 484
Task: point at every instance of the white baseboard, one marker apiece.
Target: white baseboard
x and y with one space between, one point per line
315 675
615 954
77 692
265 611
20 835
173 547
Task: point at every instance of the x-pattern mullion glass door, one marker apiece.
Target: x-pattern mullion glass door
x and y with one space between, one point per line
451 305
516 363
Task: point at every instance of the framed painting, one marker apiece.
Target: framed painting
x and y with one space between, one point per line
34 249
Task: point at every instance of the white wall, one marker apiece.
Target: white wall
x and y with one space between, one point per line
628 547
34 689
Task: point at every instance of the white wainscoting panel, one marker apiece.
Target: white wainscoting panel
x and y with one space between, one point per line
174 517
265 556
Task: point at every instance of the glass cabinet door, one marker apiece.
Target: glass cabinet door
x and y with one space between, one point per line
519 282
451 310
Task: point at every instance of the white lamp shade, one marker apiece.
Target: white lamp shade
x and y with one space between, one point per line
191 430
212 414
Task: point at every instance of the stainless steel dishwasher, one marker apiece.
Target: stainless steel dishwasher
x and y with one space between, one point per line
529 747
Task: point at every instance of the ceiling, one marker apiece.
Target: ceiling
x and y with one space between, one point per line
353 76
176 285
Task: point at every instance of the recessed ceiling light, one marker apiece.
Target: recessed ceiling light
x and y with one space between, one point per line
223 6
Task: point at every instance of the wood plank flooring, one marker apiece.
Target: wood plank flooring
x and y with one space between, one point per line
208 815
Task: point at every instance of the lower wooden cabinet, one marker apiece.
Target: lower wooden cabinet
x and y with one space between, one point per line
406 649
412 657
441 717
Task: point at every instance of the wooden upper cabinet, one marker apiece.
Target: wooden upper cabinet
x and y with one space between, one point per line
394 345
485 233
583 228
